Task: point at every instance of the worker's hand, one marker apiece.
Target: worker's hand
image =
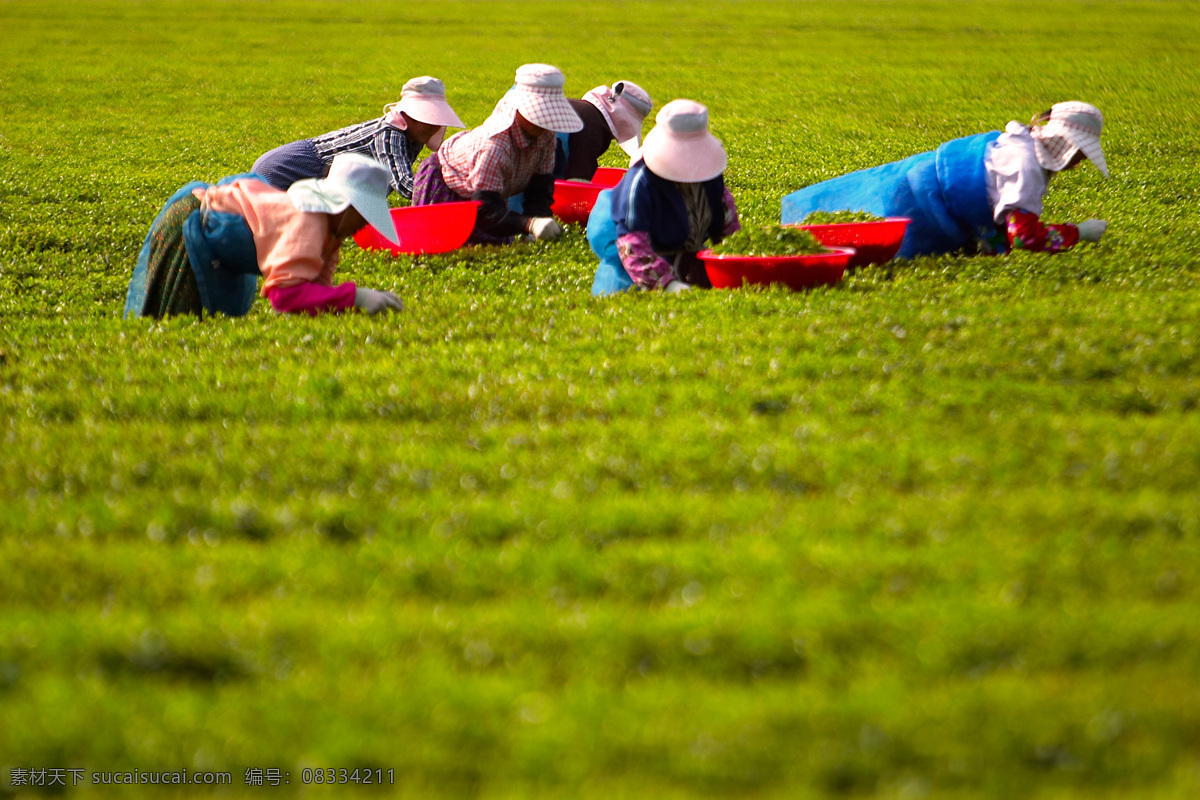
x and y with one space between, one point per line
675 287
545 228
1090 230
373 301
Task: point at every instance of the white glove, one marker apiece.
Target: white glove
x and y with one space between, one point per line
1090 230
675 287
373 301
544 228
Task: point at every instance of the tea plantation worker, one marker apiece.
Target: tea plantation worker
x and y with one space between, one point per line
649 227
984 190
608 114
419 119
209 245
510 153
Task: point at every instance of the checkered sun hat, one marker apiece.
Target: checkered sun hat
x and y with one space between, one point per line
1066 129
538 95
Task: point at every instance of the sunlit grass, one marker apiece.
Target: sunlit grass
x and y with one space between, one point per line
932 532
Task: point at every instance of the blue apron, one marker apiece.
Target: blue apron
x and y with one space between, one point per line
611 276
221 252
943 192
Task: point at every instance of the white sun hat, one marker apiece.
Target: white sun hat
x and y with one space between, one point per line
1069 127
353 180
680 148
625 107
424 99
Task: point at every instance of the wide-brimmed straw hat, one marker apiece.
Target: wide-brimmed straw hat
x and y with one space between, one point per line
353 180
1067 129
424 99
680 148
538 95
625 107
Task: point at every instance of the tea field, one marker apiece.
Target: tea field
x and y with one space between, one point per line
930 533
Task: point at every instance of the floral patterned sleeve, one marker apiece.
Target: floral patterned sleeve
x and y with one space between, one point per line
1026 232
645 267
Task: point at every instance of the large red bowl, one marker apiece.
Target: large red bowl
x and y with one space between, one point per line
797 272
573 200
874 242
438 228
608 176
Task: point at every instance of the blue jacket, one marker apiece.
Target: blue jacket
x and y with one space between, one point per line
643 201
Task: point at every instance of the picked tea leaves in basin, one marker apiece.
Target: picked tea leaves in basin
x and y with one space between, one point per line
876 240
770 254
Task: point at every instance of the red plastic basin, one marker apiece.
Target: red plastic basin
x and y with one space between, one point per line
796 272
874 242
608 176
573 200
438 228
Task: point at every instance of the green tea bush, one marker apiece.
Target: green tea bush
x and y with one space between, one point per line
932 532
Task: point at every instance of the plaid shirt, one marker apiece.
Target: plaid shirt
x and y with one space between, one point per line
378 140
473 161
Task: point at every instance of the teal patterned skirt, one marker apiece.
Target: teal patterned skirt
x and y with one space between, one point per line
170 283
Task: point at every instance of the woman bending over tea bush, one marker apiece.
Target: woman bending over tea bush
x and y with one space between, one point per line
984 191
418 120
209 245
511 153
648 228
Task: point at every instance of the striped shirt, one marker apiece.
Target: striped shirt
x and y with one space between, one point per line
378 140
473 162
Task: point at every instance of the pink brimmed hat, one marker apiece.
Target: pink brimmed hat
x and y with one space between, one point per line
680 148
625 107
1069 127
538 95
424 99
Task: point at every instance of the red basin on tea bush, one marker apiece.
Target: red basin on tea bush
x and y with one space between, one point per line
573 200
608 176
424 229
796 272
874 242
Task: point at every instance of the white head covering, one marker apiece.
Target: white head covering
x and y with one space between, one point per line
625 107
538 95
424 99
680 148
353 180
1069 127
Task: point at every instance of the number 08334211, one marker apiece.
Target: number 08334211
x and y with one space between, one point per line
360 776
